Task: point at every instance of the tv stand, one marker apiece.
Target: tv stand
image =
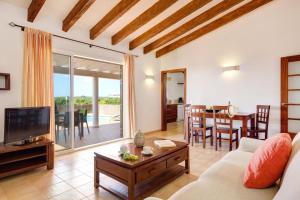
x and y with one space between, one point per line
25 142
18 159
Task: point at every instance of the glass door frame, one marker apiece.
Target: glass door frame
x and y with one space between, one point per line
71 104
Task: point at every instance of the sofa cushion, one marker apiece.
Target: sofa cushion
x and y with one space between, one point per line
268 162
290 182
224 180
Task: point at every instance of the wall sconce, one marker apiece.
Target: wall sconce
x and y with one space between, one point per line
149 77
231 68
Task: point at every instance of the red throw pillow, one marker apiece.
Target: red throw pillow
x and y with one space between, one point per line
268 162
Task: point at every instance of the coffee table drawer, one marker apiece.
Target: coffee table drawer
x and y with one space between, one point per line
150 170
112 169
177 157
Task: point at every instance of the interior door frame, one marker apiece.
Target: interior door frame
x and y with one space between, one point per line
284 92
163 79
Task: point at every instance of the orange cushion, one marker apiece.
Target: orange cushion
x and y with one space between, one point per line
268 162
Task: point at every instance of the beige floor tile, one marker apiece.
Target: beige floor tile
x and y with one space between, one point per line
103 195
174 186
2 194
88 189
43 179
14 181
62 169
69 174
69 195
27 191
29 196
56 189
79 180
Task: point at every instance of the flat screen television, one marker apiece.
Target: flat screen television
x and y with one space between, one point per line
26 123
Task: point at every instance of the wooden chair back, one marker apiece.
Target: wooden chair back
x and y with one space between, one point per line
187 112
262 116
221 118
67 119
198 117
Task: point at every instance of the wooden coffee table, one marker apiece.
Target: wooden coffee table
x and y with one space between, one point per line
139 179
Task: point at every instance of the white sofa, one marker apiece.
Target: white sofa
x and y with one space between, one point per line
224 179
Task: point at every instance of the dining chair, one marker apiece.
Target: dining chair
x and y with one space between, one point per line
84 118
223 125
261 122
77 123
198 124
59 121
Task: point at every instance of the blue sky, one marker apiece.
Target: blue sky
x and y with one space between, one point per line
83 86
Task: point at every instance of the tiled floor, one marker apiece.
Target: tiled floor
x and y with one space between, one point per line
72 177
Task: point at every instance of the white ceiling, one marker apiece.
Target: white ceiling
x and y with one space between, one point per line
59 9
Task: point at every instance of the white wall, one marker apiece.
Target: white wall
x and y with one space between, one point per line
175 90
255 42
11 58
147 93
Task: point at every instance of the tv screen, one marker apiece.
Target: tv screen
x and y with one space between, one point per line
25 123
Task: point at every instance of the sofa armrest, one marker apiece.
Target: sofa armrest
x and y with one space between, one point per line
249 144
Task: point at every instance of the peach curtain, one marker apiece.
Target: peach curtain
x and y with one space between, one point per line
37 87
129 64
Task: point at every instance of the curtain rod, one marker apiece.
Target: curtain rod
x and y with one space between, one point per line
12 24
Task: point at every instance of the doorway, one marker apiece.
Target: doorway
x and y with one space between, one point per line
88 101
173 96
290 95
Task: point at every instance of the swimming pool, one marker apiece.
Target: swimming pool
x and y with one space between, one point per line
103 119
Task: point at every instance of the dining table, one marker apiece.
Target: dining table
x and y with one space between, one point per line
244 117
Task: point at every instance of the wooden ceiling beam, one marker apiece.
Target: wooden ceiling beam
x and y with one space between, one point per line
77 11
34 8
196 21
142 19
231 16
113 15
169 21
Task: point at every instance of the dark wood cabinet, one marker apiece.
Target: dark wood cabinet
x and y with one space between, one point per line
18 159
171 113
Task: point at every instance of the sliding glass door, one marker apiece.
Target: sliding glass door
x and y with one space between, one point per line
97 99
62 96
94 102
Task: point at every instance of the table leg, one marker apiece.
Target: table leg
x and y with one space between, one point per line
131 187
197 138
96 175
252 125
187 162
244 128
252 122
50 163
204 138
